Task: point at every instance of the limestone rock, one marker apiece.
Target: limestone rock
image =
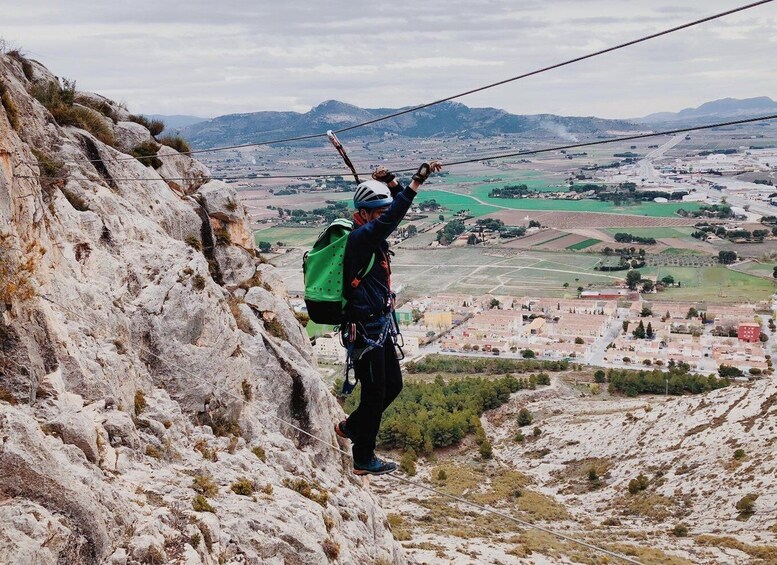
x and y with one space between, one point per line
236 264
125 306
181 170
77 428
129 135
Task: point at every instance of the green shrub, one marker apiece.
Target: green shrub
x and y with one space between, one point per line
243 487
176 142
537 432
746 504
201 504
525 417
593 476
407 462
639 484
739 454
486 451
146 154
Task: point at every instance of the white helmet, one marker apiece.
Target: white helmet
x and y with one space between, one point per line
372 194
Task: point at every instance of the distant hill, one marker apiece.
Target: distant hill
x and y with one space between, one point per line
725 108
176 122
446 119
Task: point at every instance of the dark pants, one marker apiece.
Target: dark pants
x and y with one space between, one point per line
381 382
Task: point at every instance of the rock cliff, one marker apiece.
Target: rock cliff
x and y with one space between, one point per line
149 359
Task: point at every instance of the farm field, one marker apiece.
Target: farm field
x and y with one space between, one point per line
586 220
756 269
470 270
293 237
480 204
656 232
712 283
583 244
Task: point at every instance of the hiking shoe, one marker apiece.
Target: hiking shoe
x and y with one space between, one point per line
374 467
341 430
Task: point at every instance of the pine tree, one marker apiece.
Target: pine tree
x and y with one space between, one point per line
639 333
649 333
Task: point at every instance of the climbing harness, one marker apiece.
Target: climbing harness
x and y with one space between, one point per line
385 326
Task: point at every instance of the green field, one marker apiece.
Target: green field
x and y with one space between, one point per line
756 269
457 202
713 283
658 233
294 237
564 234
584 244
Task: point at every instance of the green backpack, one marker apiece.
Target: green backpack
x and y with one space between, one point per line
322 268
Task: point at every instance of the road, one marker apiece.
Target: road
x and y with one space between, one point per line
614 328
645 169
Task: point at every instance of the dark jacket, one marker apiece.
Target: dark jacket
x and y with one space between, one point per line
370 298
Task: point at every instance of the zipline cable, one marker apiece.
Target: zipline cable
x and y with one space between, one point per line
345 453
472 91
452 163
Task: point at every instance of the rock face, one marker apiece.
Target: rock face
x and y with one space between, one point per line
146 409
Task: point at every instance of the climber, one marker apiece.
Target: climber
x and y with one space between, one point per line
371 332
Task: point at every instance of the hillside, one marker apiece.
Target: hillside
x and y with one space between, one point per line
446 119
149 360
723 109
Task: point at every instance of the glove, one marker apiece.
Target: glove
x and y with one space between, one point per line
383 175
425 170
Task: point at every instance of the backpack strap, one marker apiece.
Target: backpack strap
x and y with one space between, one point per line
357 280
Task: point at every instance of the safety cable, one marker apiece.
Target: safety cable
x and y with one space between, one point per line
468 92
241 399
454 163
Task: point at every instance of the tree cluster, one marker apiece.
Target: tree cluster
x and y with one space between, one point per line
440 413
680 381
628 238
469 365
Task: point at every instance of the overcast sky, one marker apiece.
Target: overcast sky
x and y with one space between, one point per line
213 58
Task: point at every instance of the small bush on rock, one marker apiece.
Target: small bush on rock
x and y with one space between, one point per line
243 487
205 485
176 142
146 154
201 504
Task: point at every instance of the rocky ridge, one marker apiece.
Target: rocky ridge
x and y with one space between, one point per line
148 358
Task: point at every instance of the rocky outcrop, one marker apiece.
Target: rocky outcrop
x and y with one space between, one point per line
150 412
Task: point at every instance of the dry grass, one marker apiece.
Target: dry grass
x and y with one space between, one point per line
243 486
399 527
240 319
313 491
649 505
176 142
766 553
205 485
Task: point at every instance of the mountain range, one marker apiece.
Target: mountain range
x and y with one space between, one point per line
450 119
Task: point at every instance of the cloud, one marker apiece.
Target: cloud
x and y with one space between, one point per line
195 57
